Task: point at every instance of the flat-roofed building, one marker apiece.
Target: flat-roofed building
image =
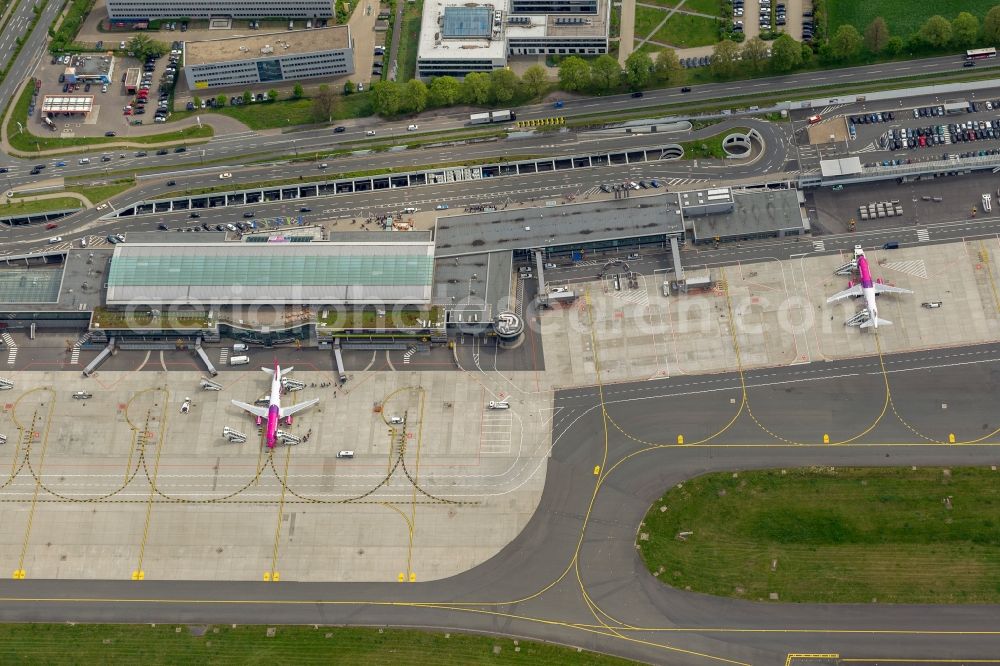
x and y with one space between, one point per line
90 69
265 58
458 38
131 11
317 273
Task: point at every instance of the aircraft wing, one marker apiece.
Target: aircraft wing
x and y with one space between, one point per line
889 289
852 291
253 409
288 411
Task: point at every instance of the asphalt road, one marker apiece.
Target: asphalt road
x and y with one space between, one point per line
573 575
514 188
239 147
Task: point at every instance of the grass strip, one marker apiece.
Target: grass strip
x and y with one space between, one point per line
45 644
831 535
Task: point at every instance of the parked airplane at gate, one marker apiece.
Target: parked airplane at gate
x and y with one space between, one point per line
274 412
869 289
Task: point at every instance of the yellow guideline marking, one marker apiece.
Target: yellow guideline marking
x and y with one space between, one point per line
20 572
138 574
789 658
985 256
281 510
413 500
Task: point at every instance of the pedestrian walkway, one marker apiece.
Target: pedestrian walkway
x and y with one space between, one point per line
8 340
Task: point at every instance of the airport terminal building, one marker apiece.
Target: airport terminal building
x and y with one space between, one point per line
265 58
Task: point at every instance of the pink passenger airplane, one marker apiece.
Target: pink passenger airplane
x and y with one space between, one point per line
869 289
274 412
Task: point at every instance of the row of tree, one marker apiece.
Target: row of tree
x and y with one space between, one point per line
499 87
937 32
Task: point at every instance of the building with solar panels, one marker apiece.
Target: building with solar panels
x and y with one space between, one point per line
458 38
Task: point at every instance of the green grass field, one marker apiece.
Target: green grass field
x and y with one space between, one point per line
661 3
709 147
408 41
99 193
646 20
60 644
285 113
710 7
39 206
822 535
903 17
685 31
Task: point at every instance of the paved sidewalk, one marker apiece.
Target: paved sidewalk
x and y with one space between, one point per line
626 31
51 195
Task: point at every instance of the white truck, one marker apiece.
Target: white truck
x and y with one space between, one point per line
499 404
492 117
239 360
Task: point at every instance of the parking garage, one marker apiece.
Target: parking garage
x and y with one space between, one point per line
395 181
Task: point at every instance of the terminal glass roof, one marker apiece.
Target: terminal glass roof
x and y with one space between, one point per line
229 273
467 22
274 271
30 285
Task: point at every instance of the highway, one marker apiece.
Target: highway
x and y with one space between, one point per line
239 147
573 575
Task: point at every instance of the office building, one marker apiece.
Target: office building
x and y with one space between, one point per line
267 58
144 10
459 38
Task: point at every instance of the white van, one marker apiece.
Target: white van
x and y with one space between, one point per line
85 160
345 454
409 210
396 419
239 360
240 347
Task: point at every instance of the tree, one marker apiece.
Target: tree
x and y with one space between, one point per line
755 53
724 58
991 25
445 91
220 100
388 98
503 85
476 88
247 96
574 74
138 45
605 74
936 31
894 46
349 87
638 70
965 29
786 54
297 91
534 80
324 104
668 66
196 101
414 96
876 35
272 95
846 42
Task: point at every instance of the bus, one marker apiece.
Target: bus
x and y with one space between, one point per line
980 54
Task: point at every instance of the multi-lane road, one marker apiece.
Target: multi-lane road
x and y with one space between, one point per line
573 575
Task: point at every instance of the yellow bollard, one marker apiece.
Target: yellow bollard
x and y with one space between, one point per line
597 470
826 439
402 577
951 438
680 439
413 577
